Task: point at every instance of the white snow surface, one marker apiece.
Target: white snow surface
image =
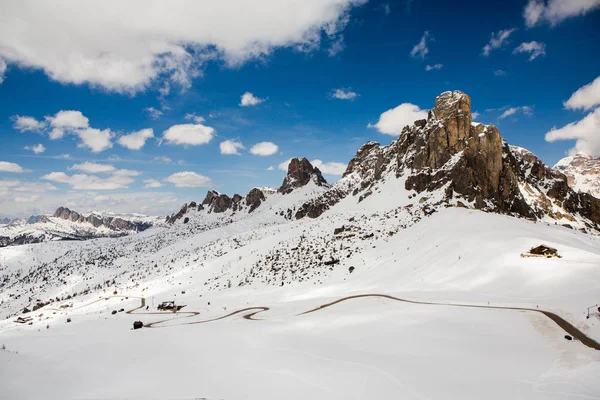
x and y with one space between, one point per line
363 348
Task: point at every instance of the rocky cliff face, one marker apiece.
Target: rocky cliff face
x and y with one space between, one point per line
300 173
582 172
447 160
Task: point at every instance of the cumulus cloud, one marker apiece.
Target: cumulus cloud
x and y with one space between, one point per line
188 134
330 168
66 120
37 149
152 183
271 168
526 110
264 149
95 139
535 49
555 11
119 179
586 97
337 46
231 147
284 165
93 168
153 113
249 100
129 46
6 166
584 132
420 50
392 121
497 40
24 123
188 179
196 118
432 67
136 140
343 94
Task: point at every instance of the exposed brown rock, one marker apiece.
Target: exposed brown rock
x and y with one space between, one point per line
300 172
254 199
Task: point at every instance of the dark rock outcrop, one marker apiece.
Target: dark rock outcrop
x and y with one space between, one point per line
300 172
113 223
254 198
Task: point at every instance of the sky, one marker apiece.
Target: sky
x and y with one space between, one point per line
141 106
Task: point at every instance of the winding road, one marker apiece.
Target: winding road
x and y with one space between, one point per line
250 312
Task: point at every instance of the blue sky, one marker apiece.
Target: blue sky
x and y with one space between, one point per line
541 54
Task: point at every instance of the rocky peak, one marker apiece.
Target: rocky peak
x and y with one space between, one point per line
300 173
112 223
582 172
456 162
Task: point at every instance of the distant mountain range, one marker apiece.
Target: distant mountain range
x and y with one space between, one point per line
583 173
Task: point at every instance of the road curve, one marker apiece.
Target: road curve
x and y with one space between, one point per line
250 312
561 322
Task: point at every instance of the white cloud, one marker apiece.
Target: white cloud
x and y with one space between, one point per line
6 166
526 110
432 67
119 179
24 123
188 179
152 183
153 113
147 202
585 132
420 50
163 159
271 168
196 118
330 168
93 168
20 186
249 100
189 134
95 139
343 94
500 72
474 115
556 11
392 121
535 49
586 97
66 120
231 147
37 149
63 157
136 140
497 40
3 68
128 46
337 46
264 149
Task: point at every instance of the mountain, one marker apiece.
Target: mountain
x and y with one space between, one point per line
582 172
66 224
419 251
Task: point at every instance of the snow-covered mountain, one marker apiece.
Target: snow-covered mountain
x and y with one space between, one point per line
66 224
416 251
583 173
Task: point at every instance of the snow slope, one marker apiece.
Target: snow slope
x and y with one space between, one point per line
360 348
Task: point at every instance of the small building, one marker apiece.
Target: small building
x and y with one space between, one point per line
542 251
